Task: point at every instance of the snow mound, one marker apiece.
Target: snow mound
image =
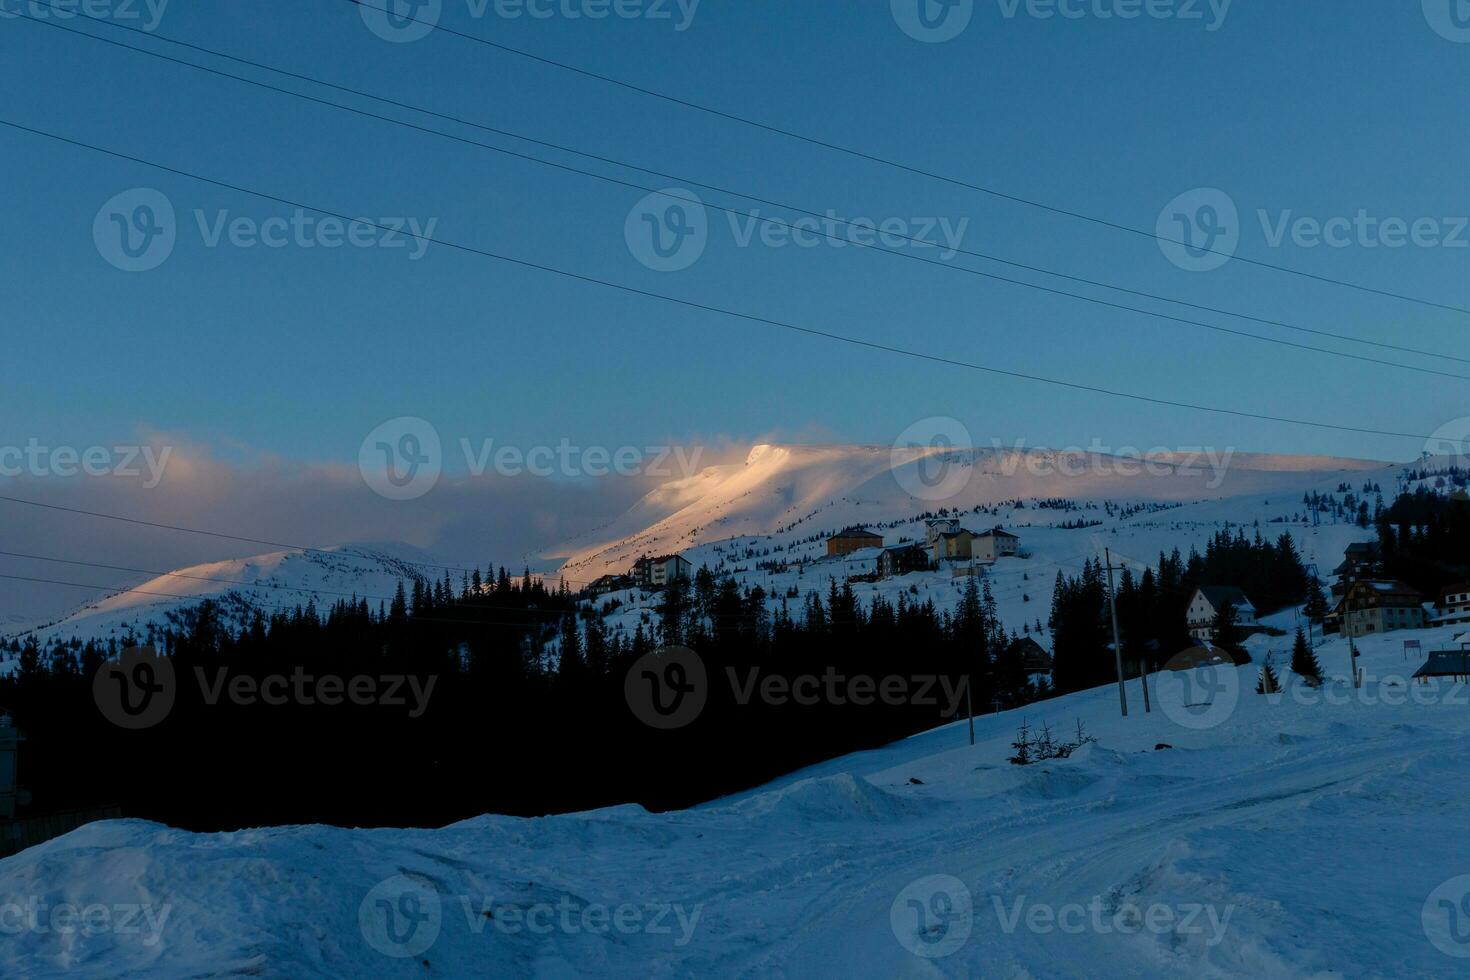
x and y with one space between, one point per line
827 799
1340 852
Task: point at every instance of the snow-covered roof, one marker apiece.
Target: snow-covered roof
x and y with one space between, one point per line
860 554
1218 595
1392 588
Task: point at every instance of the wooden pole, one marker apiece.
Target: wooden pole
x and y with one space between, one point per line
1117 641
970 710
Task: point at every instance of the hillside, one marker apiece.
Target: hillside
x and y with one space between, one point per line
241 587
782 489
781 502
1313 834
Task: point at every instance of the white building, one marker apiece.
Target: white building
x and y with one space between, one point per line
935 527
1205 605
655 573
994 544
1453 605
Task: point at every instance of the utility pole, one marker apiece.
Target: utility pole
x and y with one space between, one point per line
1117 640
1347 618
970 710
1143 679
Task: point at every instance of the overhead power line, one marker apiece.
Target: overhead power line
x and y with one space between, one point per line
237 537
309 590
222 534
246 586
776 221
726 311
197 578
895 164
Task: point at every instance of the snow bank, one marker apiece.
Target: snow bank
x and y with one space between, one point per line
1318 833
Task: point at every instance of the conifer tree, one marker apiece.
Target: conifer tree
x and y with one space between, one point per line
1316 608
1226 630
1304 661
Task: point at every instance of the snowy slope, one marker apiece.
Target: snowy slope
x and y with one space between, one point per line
825 488
268 583
1319 835
785 496
1022 585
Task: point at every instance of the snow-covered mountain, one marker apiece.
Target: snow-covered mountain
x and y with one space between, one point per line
241 586
1204 838
825 488
783 499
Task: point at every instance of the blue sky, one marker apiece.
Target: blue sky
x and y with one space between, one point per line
1321 109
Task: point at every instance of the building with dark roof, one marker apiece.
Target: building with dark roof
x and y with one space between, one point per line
995 543
1372 606
1453 604
659 571
953 545
1206 604
1358 559
1445 663
902 559
1034 658
851 539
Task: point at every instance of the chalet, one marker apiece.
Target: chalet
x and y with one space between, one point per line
1359 559
604 584
1332 622
994 544
1371 607
953 546
1034 658
902 559
851 539
1206 604
935 526
1453 605
655 573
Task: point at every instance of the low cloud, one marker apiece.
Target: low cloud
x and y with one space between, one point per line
469 520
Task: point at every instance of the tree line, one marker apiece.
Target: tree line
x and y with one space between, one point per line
1152 606
527 710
